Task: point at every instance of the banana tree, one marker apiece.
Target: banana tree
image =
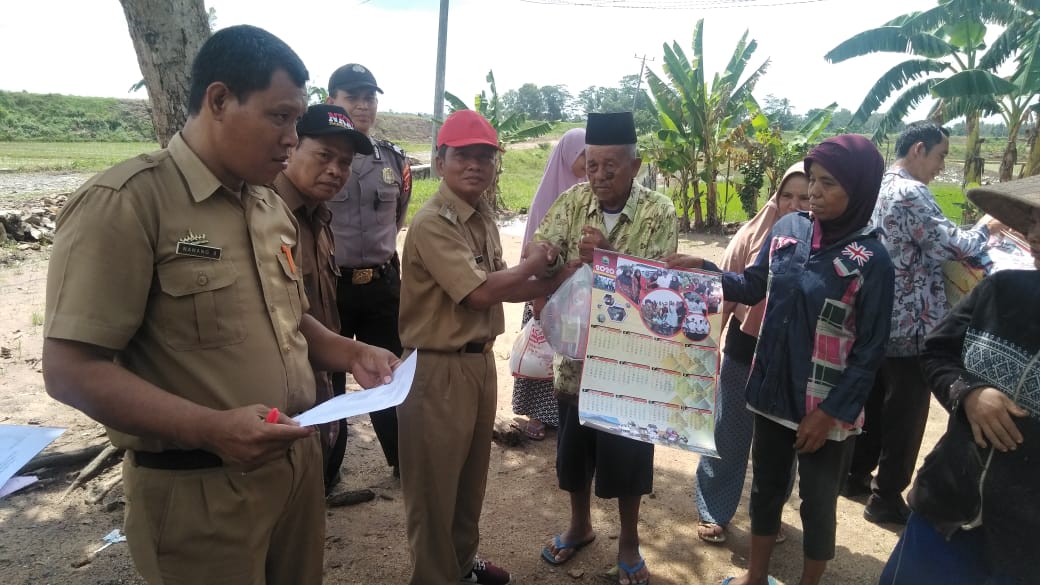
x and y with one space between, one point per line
1013 98
510 129
705 114
943 41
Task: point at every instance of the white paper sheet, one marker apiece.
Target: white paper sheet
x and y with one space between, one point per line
365 401
19 444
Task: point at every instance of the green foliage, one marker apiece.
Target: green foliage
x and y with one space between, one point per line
53 117
753 170
512 127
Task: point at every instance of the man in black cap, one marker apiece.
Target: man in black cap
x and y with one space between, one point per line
317 170
367 214
612 212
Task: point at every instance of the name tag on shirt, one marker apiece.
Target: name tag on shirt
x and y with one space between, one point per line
198 251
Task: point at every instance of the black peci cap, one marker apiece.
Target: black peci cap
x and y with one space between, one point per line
610 129
352 76
326 120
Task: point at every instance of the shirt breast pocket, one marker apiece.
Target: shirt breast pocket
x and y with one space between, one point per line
386 203
199 306
294 286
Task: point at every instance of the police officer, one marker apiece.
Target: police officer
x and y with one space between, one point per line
175 317
367 214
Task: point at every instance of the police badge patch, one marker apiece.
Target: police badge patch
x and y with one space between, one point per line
388 175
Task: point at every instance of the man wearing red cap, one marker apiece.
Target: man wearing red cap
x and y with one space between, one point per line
453 284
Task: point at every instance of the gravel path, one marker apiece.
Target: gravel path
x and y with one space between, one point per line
17 186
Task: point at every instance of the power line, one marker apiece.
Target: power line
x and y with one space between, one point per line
674 4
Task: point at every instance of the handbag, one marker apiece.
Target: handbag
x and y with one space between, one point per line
948 489
532 356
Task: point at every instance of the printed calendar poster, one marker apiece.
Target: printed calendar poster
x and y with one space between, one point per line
652 363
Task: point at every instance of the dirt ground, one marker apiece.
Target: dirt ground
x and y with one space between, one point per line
42 535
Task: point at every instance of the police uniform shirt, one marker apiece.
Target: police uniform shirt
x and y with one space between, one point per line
371 208
448 252
194 286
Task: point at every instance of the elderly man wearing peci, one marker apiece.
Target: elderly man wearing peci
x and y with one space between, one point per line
611 212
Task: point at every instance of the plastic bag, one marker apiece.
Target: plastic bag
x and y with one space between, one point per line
565 318
532 355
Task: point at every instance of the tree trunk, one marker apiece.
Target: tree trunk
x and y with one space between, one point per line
1007 162
1032 166
973 152
167 34
698 217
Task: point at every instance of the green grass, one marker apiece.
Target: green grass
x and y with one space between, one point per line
950 199
68 156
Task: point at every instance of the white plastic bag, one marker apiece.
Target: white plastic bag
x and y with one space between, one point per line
565 318
532 356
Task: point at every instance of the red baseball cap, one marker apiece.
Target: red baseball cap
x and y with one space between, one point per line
465 128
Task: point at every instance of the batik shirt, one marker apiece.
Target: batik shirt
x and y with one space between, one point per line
647 227
919 238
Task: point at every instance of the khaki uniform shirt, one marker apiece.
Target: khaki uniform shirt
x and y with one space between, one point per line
315 260
371 208
448 252
192 285
647 227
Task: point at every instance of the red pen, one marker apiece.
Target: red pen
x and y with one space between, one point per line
272 416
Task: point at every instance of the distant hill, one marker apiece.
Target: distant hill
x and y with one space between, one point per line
68 118
403 128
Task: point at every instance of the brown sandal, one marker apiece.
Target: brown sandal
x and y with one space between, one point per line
711 532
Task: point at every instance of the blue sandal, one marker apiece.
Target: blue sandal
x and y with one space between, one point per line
632 570
548 556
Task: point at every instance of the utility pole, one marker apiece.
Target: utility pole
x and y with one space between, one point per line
639 81
438 86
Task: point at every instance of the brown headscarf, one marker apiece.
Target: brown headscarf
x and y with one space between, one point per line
745 245
856 163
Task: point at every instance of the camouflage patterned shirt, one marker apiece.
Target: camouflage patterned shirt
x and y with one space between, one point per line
647 227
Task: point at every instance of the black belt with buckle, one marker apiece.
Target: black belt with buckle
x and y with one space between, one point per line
177 460
365 275
477 347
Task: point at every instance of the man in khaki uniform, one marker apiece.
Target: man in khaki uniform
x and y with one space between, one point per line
176 317
319 167
454 282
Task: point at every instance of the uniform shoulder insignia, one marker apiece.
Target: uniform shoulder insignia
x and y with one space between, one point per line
448 213
391 146
117 176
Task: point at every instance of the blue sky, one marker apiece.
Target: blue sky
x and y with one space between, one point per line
82 46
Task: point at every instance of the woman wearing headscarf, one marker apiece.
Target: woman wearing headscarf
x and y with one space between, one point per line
564 169
828 286
975 512
720 482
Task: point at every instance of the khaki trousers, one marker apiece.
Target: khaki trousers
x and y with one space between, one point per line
220 526
445 448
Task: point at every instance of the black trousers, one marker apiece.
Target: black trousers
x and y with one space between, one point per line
369 313
819 480
896 413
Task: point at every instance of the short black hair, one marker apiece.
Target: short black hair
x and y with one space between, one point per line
442 151
924 131
244 58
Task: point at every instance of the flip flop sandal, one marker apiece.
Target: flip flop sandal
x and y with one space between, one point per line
713 537
534 432
558 544
632 570
770 580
